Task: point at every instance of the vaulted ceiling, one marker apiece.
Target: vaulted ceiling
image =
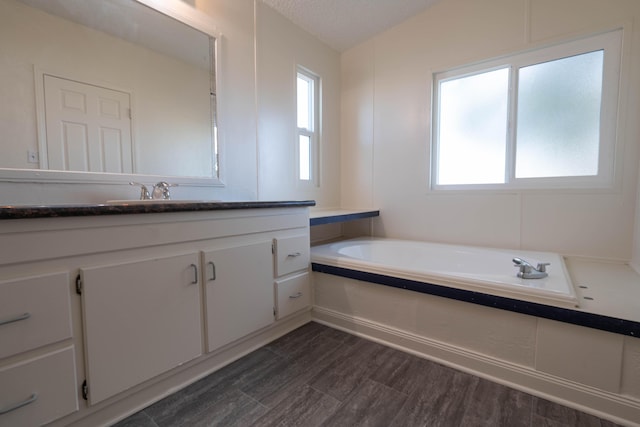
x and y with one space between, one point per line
343 24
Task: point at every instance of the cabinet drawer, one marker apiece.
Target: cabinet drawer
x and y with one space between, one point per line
34 311
293 294
45 386
291 254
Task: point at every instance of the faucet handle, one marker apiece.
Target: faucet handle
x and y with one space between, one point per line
524 266
161 190
144 192
542 266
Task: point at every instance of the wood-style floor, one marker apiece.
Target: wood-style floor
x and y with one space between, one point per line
317 376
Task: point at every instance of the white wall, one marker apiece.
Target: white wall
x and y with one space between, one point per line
280 47
386 130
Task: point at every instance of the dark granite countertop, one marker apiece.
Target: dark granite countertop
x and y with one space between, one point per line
126 208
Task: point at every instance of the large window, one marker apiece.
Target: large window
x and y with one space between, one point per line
539 119
308 124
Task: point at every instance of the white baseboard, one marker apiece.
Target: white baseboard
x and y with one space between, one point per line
617 408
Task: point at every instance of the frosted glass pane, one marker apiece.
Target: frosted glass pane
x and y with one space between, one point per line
559 117
473 129
305 157
304 93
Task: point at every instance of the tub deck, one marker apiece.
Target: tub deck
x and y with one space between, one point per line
483 270
607 292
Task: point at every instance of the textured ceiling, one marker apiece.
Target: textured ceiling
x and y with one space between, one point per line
343 24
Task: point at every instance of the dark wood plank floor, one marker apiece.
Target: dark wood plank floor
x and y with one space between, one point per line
319 376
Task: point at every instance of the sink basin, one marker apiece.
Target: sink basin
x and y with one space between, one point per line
157 201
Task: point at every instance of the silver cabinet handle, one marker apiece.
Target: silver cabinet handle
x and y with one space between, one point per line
294 255
15 406
17 318
296 296
195 274
213 271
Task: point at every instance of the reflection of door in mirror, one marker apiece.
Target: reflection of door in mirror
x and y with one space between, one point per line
167 68
88 127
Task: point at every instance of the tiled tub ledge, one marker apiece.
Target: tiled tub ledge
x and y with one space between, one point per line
77 210
609 295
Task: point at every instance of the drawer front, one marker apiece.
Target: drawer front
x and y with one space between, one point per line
41 389
293 294
34 311
292 254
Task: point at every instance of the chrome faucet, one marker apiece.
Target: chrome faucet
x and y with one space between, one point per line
161 191
528 271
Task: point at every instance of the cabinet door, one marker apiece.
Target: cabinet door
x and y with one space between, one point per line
238 292
141 319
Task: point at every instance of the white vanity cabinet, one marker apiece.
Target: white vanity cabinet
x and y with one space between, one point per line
292 285
238 291
126 309
37 361
141 318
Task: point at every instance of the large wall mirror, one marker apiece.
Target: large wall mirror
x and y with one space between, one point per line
106 91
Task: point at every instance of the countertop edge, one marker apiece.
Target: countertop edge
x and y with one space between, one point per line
320 216
83 210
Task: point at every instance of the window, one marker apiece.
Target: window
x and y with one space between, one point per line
308 125
540 119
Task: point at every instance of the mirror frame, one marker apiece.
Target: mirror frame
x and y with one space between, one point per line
193 18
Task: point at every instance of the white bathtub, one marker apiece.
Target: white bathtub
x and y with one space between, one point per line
484 270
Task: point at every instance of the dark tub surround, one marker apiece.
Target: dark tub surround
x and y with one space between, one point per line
133 207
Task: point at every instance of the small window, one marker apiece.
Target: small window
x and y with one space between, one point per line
307 125
540 119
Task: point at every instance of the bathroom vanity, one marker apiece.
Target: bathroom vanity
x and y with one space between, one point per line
107 308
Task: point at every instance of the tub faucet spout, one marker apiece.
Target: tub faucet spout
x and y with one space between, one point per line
528 271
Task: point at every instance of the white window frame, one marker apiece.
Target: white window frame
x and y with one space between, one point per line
313 131
611 43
